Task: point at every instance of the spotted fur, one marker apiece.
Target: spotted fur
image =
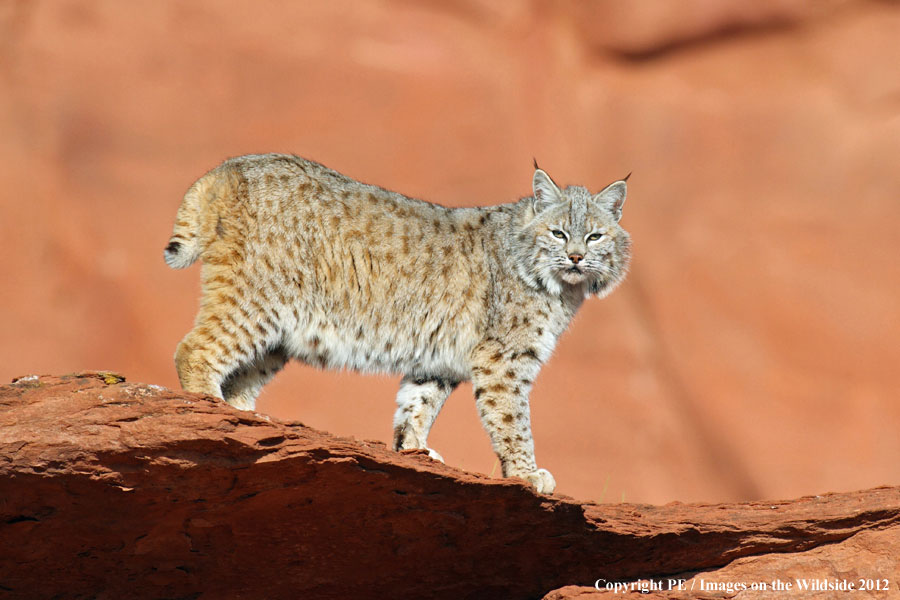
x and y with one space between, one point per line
302 262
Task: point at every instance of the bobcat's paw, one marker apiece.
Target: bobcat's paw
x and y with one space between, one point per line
433 455
542 481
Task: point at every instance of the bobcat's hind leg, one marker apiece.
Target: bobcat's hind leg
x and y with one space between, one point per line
199 363
418 403
242 386
212 357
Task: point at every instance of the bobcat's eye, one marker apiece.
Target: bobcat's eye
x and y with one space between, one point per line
594 237
558 234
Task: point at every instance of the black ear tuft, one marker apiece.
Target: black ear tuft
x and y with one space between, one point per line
626 177
536 167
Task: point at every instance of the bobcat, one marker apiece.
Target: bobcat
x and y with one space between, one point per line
302 262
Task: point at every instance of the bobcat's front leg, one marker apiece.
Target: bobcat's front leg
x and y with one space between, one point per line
501 380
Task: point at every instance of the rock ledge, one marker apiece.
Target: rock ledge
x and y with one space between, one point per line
111 489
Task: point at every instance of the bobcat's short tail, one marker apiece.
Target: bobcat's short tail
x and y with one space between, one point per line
188 240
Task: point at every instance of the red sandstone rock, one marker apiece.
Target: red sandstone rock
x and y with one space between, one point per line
111 489
865 565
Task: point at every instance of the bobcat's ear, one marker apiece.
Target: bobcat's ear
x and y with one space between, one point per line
613 197
546 194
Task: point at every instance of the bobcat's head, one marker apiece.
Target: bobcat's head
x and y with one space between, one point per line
572 237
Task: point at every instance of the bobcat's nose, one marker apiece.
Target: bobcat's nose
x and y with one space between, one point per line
576 258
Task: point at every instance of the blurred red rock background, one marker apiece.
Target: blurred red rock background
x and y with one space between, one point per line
753 352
